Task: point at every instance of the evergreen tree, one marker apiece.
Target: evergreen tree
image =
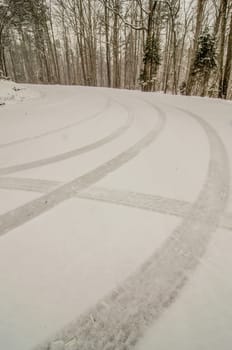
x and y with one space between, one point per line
151 59
205 60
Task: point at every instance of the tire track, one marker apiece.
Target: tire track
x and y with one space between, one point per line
121 318
126 198
137 200
56 131
27 212
30 185
148 202
70 154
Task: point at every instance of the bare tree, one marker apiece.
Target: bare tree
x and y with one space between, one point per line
147 44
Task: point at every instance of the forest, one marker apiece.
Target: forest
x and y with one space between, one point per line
171 46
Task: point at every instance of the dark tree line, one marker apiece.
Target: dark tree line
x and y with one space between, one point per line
157 45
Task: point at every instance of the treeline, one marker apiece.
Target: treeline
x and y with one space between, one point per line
178 46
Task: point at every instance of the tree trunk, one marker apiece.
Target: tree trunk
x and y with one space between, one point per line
222 47
2 66
228 64
107 37
116 69
200 13
147 64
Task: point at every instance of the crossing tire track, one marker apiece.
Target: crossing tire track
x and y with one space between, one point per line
121 318
137 200
143 201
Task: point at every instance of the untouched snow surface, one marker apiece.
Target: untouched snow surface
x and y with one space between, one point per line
115 220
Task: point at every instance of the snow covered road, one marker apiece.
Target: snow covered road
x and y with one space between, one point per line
109 215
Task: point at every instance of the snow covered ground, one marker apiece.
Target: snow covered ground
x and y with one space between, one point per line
11 92
115 220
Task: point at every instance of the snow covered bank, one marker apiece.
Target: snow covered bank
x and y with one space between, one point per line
11 92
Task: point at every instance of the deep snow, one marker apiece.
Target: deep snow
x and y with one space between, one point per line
75 227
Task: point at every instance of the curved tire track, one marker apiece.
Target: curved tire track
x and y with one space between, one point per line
119 320
70 154
56 131
27 212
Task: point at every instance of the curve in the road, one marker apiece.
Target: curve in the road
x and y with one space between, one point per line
58 130
27 212
70 154
118 321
